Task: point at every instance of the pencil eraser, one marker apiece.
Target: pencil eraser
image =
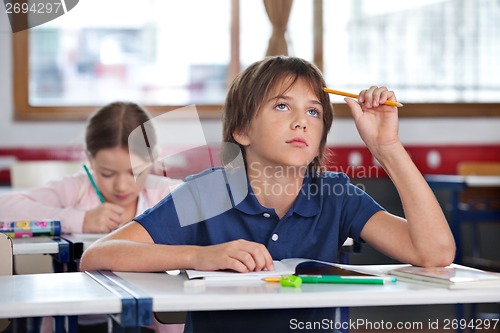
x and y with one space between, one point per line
194 283
291 281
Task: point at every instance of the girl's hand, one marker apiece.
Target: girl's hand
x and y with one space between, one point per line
376 122
103 219
239 255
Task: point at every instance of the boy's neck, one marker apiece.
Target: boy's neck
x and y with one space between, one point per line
277 190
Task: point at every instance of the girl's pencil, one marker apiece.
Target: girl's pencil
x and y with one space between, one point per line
101 198
343 93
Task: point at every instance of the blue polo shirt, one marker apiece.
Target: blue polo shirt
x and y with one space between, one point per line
327 210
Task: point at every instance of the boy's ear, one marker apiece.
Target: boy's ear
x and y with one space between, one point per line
241 138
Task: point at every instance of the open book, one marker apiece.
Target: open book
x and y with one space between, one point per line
452 277
282 267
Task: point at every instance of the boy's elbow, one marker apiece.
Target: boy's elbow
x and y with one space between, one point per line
87 262
84 266
442 260
443 257
447 254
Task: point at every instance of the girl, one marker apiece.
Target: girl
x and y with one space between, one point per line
278 115
74 201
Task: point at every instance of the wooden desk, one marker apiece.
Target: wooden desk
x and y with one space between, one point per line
132 297
66 249
55 246
452 182
67 295
40 245
170 295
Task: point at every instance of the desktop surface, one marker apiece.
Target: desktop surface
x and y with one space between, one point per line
170 294
35 295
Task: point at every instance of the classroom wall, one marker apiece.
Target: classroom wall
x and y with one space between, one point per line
436 144
412 131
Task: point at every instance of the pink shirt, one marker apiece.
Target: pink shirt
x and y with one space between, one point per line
69 198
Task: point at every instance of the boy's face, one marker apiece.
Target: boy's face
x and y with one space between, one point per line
114 176
287 131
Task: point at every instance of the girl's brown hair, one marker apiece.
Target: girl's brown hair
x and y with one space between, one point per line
111 125
251 88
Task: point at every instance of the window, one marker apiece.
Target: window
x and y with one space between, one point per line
175 53
75 62
428 51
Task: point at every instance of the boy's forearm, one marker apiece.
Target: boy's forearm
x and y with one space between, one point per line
429 231
131 256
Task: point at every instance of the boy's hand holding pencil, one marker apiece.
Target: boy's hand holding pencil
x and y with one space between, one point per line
376 122
346 94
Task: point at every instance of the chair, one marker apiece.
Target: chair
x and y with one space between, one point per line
478 205
29 174
5 268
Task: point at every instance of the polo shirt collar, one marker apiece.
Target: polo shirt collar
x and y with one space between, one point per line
250 205
307 203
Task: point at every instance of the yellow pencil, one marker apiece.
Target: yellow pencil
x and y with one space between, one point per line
343 93
272 279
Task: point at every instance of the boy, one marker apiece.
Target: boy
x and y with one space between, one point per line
278 115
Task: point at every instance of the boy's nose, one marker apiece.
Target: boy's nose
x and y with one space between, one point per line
299 126
299 122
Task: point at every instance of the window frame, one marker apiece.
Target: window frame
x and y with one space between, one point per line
23 111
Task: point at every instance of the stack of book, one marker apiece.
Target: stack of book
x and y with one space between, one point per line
452 277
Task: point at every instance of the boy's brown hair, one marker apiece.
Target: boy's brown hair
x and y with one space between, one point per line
250 89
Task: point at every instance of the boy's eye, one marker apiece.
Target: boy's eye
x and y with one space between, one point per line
314 113
281 107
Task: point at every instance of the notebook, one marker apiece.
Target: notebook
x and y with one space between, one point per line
299 266
452 277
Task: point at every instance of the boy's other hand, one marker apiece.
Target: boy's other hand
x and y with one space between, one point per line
239 255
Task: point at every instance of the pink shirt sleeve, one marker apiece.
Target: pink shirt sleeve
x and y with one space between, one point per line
66 200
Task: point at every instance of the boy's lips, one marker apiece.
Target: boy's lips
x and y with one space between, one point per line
299 142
